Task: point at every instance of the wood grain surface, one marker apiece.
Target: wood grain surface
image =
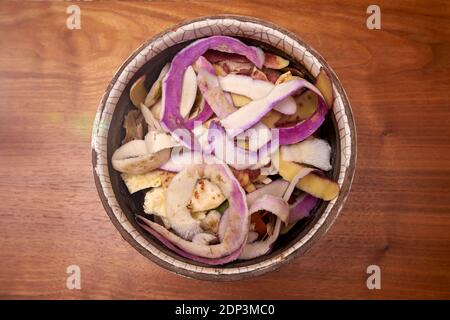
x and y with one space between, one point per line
397 215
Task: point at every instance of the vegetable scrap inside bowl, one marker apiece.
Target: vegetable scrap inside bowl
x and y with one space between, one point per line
224 149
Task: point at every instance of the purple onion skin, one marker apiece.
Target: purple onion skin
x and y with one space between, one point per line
306 128
173 83
233 256
302 208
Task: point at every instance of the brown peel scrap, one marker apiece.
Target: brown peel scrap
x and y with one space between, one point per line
246 178
243 68
134 125
258 74
138 91
260 226
271 74
273 61
215 56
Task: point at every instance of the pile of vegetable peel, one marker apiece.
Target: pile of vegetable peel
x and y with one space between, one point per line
224 146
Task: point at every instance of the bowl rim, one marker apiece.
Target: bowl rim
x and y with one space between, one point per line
336 206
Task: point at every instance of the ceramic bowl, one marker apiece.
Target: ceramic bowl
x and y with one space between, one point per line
338 129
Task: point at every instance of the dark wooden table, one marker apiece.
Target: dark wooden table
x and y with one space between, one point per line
397 215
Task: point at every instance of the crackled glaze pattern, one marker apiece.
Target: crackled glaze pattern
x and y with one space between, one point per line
209 27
